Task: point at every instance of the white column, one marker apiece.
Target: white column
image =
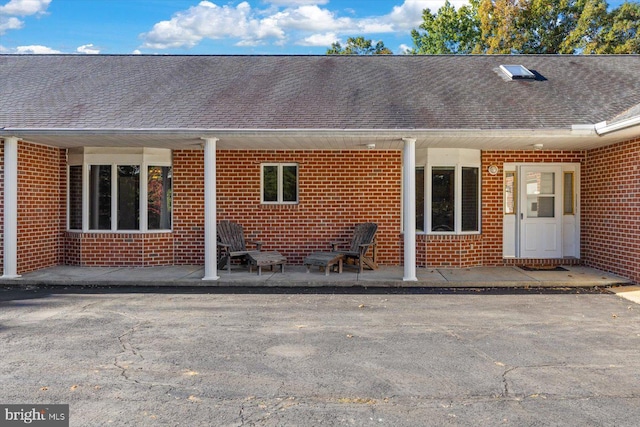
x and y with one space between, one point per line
10 231
409 208
210 235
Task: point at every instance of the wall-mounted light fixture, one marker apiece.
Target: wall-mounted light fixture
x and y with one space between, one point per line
538 147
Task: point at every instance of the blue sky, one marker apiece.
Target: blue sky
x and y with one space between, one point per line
205 27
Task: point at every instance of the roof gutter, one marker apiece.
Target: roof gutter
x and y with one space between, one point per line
604 128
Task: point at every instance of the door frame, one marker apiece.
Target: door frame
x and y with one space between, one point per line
539 236
570 221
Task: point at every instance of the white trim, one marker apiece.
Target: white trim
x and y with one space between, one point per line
603 128
210 232
143 157
511 223
409 208
10 232
456 159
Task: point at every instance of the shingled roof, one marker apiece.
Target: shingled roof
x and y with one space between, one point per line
313 92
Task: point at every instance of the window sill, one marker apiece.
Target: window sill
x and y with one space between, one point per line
120 231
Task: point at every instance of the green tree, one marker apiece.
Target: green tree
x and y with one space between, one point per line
448 30
359 46
621 32
530 27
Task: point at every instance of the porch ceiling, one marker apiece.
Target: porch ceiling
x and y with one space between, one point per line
305 139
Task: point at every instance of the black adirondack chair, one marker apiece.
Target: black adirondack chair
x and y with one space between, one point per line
232 244
364 237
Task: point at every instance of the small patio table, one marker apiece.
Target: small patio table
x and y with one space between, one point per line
262 259
324 259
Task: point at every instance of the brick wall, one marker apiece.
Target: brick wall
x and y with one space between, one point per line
611 209
118 249
337 189
492 193
464 251
454 251
41 201
188 206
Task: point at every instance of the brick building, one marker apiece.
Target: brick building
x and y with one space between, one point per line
462 161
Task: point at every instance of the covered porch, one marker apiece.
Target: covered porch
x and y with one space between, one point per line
295 276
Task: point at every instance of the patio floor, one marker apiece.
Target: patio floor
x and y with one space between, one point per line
296 276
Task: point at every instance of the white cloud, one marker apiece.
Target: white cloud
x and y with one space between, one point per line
88 49
208 20
35 49
24 7
13 8
326 39
283 20
313 18
409 14
10 23
404 49
296 2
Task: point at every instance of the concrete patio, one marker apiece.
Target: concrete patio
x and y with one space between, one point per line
296 276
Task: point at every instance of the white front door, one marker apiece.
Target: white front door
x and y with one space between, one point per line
540 212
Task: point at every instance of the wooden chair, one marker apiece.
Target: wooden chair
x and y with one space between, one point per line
364 237
231 244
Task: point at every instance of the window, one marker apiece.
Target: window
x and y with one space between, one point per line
420 199
159 197
540 194
100 197
75 197
443 199
128 197
120 189
569 194
448 192
510 192
280 183
470 199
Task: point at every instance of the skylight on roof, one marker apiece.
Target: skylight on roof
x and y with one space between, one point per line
517 72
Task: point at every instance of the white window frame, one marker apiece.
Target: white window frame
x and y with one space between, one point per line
457 198
456 159
280 178
114 157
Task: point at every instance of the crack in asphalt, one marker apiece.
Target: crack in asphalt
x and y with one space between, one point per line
127 349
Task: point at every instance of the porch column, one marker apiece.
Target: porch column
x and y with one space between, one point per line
10 231
210 235
409 208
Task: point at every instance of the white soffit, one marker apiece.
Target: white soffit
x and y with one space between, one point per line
577 138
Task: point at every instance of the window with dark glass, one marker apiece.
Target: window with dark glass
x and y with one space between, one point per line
128 197
75 197
289 183
420 199
100 197
442 199
280 183
469 208
454 196
270 183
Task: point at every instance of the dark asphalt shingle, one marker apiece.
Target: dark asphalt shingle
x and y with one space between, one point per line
313 92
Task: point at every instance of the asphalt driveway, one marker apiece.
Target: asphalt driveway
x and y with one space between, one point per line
271 357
